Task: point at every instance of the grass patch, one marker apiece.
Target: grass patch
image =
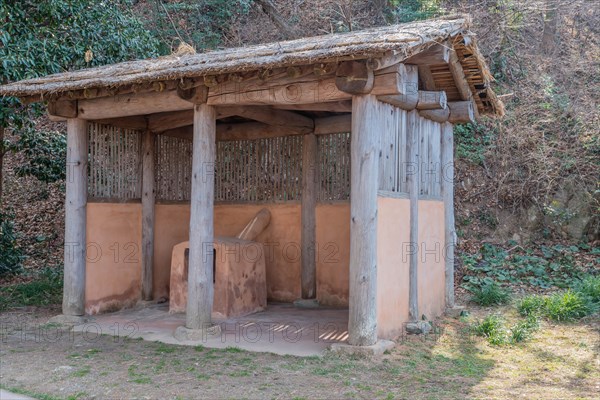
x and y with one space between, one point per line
137 377
163 348
492 328
44 289
232 349
80 373
568 306
590 288
490 295
523 330
532 305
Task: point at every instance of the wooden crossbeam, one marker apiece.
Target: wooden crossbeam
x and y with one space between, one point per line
271 116
436 54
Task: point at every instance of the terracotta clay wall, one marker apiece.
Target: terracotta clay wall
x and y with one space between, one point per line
282 246
113 268
333 253
113 280
393 234
393 237
431 258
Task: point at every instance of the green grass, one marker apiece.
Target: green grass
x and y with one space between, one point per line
532 305
492 328
490 295
80 373
232 349
590 288
43 290
523 330
564 306
567 306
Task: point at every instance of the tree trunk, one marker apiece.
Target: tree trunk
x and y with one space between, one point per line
550 24
269 8
1 160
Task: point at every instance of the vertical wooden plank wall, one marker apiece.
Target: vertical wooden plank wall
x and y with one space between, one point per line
447 161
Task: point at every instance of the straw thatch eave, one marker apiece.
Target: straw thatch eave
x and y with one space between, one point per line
398 41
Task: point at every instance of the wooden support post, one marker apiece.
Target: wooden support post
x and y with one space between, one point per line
309 203
148 195
200 275
75 218
364 156
448 196
413 180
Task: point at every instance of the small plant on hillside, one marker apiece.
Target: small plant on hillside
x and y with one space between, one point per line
490 295
473 141
568 306
540 267
590 288
523 330
45 288
492 328
532 305
10 254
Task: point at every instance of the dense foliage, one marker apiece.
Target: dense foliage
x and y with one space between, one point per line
541 268
200 23
10 254
41 37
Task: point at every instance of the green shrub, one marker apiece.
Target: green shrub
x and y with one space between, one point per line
492 328
532 305
568 306
10 254
490 294
590 288
523 330
44 289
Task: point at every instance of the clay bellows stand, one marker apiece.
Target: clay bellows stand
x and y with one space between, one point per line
318 168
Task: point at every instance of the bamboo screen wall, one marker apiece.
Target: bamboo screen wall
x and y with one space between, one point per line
334 167
259 170
114 166
173 168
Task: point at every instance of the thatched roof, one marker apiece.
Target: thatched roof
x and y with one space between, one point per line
404 40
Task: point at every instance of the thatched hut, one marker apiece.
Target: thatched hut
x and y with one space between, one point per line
337 149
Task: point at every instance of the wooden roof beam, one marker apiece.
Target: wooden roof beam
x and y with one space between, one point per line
396 79
457 112
436 54
458 74
334 106
271 116
421 100
240 131
335 124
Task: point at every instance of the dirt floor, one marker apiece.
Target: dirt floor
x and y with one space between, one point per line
560 362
